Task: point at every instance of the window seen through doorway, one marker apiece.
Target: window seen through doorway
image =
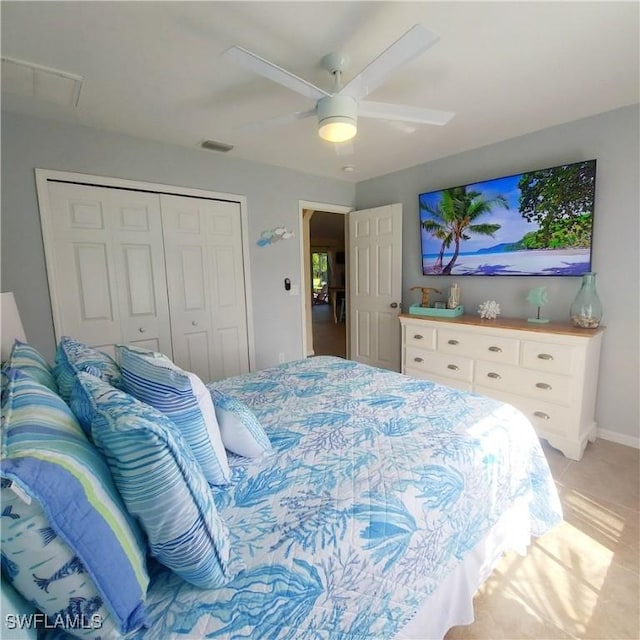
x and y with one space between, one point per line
320 275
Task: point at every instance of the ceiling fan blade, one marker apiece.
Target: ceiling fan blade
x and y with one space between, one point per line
262 67
265 125
403 113
414 42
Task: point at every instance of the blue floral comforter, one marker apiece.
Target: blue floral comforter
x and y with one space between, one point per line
378 487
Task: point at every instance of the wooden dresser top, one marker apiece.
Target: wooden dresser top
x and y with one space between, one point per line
521 324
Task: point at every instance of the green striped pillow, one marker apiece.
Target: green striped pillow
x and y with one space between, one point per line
46 458
28 359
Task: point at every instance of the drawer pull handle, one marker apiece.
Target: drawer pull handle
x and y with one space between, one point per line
494 375
141 329
452 342
543 385
495 349
418 359
453 367
542 414
417 337
545 356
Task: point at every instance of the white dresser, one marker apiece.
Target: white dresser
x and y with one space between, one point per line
548 371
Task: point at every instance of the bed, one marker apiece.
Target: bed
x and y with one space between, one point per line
386 501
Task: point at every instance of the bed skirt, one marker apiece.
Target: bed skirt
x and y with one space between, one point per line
452 603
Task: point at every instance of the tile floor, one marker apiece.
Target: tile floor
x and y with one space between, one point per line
329 338
580 580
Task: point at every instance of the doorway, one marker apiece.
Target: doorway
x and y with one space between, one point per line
325 279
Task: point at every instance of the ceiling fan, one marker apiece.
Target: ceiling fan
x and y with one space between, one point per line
338 110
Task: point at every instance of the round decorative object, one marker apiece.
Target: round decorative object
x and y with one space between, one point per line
586 310
489 309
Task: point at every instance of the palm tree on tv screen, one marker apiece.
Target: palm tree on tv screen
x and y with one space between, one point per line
453 219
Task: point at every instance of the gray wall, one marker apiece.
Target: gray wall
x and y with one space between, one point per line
272 200
613 139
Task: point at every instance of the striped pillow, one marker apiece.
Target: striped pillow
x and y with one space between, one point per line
73 356
241 431
182 396
49 462
162 485
28 359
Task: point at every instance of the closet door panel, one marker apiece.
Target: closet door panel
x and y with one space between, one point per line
82 265
197 355
231 347
193 278
162 272
202 239
226 268
142 285
107 263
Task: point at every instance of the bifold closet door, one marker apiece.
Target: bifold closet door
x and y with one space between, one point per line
205 278
106 267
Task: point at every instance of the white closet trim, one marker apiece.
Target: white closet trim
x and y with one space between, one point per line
43 176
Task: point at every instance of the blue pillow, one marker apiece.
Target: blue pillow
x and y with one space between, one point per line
162 485
241 431
45 569
73 356
80 518
28 359
182 396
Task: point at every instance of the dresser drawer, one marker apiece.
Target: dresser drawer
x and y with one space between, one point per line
541 385
419 335
546 418
494 348
555 358
440 364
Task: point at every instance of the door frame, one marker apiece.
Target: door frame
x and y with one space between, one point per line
305 257
43 176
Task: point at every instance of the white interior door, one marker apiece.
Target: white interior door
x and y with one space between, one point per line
106 266
205 277
140 269
375 285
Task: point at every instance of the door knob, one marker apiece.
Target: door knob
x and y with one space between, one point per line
394 305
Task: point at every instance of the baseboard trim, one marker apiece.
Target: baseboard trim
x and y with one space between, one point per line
619 438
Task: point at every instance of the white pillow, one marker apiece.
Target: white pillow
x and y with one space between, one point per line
152 378
241 430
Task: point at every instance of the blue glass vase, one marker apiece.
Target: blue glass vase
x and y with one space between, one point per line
586 309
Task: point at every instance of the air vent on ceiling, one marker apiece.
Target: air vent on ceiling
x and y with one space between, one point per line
212 145
33 80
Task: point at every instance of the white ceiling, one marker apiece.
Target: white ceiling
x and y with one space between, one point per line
154 70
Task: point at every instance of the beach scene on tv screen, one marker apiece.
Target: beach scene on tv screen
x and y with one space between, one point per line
534 223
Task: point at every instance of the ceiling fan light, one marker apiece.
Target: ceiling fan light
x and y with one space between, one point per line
337 118
337 129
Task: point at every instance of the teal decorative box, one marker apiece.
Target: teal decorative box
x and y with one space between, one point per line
417 310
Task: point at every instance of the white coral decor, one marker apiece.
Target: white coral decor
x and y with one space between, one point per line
489 309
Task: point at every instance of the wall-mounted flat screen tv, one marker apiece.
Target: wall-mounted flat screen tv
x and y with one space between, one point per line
537 223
